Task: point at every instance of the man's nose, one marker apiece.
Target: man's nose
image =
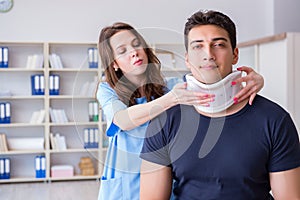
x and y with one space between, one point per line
208 54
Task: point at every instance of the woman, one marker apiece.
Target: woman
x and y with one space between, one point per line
133 93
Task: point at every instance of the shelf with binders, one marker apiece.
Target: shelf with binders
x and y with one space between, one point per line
18 84
22 111
23 167
74 138
74 56
70 111
73 84
24 55
30 111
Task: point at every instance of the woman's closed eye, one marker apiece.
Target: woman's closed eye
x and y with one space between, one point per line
136 43
121 50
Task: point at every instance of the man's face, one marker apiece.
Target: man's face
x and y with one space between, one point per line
210 56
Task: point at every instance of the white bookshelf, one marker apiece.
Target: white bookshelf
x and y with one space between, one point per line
73 76
16 79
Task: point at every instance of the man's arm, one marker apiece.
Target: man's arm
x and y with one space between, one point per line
286 184
156 181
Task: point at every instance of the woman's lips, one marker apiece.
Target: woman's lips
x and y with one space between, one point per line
138 62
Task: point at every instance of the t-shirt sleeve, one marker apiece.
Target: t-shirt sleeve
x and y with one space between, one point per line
155 147
110 104
286 147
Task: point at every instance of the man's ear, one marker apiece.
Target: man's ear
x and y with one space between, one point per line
235 56
186 59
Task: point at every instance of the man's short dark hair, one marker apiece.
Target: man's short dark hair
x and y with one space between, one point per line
210 17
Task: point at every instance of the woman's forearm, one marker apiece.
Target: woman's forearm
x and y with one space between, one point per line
139 114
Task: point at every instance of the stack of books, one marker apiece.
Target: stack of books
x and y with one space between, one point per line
35 61
55 61
88 89
58 115
37 117
58 142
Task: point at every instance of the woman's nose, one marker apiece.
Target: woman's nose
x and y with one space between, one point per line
133 52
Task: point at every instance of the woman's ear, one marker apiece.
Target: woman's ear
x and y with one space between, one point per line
115 66
235 56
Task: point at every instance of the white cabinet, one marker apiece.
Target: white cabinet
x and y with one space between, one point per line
277 59
77 83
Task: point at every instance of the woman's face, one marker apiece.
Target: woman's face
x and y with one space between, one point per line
129 54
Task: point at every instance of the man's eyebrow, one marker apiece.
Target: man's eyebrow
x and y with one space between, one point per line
214 39
220 38
195 41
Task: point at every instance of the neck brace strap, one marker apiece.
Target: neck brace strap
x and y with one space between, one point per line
223 90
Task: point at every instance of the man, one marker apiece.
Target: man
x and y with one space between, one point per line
227 151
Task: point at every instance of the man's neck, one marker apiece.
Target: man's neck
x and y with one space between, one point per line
229 111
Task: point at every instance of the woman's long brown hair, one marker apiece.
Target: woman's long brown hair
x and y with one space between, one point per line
126 90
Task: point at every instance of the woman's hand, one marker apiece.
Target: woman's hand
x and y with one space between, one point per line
187 97
254 83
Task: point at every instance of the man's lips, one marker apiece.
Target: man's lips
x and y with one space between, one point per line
208 67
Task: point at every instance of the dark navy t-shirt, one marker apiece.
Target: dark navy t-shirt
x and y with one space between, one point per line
226 157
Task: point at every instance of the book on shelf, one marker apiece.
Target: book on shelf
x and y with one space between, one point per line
37 117
55 61
35 61
58 142
89 88
3 143
58 115
5 92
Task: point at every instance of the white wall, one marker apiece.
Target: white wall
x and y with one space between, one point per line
81 20
286 16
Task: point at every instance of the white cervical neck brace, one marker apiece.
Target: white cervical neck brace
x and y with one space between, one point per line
223 90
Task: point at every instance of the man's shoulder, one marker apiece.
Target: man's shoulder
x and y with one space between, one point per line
265 105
